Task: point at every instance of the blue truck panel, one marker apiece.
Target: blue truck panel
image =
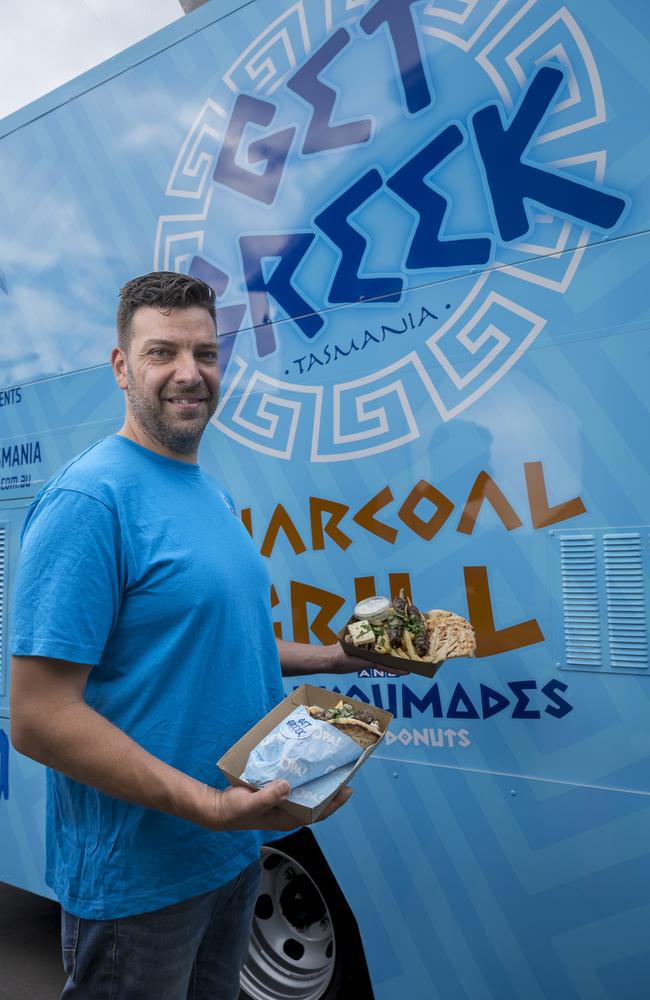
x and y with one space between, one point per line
426 226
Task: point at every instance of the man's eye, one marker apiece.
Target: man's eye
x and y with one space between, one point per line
208 355
159 352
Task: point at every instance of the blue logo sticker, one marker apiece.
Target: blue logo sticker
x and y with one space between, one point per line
297 729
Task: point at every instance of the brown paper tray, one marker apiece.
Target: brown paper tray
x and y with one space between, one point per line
233 762
384 661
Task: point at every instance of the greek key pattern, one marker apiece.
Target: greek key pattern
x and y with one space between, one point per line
179 237
521 44
265 413
181 234
462 28
514 50
273 55
197 155
488 331
340 11
369 414
477 345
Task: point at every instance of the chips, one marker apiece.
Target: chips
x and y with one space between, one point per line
449 635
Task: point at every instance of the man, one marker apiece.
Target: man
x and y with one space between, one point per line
143 648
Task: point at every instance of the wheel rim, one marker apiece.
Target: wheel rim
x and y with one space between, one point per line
292 950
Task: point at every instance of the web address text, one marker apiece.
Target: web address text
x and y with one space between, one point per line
16 482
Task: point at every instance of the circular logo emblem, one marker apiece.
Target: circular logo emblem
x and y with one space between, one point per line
389 199
296 729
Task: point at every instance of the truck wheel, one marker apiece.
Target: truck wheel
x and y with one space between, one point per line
305 943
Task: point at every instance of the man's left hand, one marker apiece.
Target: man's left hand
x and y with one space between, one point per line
340 662
302 659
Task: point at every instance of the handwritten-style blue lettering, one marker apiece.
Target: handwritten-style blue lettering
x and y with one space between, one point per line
427 250
398 18
229 318
273 149
512 182
289 249
347 285
321 134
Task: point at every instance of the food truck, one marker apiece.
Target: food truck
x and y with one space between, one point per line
425 222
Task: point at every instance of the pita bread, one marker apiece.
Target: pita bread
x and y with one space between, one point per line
450 635
364 733
357 730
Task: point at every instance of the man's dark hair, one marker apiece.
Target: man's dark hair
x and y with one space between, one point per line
165 290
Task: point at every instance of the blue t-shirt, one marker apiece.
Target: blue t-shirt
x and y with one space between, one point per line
135 563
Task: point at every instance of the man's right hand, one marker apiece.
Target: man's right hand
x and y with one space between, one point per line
242 809
52 723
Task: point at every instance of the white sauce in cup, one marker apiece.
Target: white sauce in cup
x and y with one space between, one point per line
373 609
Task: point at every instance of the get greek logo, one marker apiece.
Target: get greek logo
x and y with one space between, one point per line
383 214
296 729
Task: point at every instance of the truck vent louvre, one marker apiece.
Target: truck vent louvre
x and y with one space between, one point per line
626 607
603 619
582 636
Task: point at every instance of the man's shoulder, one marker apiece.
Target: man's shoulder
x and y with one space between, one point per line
95 466
81 489
94 472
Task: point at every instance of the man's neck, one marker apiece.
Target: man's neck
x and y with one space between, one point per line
131 430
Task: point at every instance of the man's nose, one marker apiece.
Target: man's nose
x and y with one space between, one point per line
186 369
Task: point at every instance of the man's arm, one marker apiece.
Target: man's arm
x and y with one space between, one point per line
298 658
51 723
301 658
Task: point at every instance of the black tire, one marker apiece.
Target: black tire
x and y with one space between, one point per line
305 943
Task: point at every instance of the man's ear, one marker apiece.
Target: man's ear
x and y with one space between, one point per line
118 361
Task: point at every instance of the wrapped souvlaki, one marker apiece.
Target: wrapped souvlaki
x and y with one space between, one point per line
314 749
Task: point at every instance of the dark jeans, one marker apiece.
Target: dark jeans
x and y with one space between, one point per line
192 950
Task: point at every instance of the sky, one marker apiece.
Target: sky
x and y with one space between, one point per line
45 43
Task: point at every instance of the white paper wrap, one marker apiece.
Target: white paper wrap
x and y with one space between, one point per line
313 756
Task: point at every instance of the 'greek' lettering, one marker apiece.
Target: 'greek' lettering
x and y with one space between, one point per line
347 285
511 182
426 249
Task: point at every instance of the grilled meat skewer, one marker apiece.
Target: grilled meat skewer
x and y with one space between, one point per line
417 626
396 620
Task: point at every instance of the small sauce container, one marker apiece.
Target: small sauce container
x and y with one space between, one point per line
373 609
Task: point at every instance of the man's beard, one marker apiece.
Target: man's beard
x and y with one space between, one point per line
177 434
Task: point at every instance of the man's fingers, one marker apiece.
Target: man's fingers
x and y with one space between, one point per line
240 808
271 795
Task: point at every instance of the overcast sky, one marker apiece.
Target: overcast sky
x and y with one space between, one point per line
45 43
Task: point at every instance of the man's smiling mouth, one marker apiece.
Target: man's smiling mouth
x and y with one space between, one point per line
186 402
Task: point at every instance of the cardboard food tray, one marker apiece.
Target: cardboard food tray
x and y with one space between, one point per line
384 660
234 761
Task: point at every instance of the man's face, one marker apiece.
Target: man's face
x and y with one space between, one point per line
171 376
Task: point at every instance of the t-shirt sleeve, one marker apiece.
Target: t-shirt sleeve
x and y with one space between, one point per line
69 579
